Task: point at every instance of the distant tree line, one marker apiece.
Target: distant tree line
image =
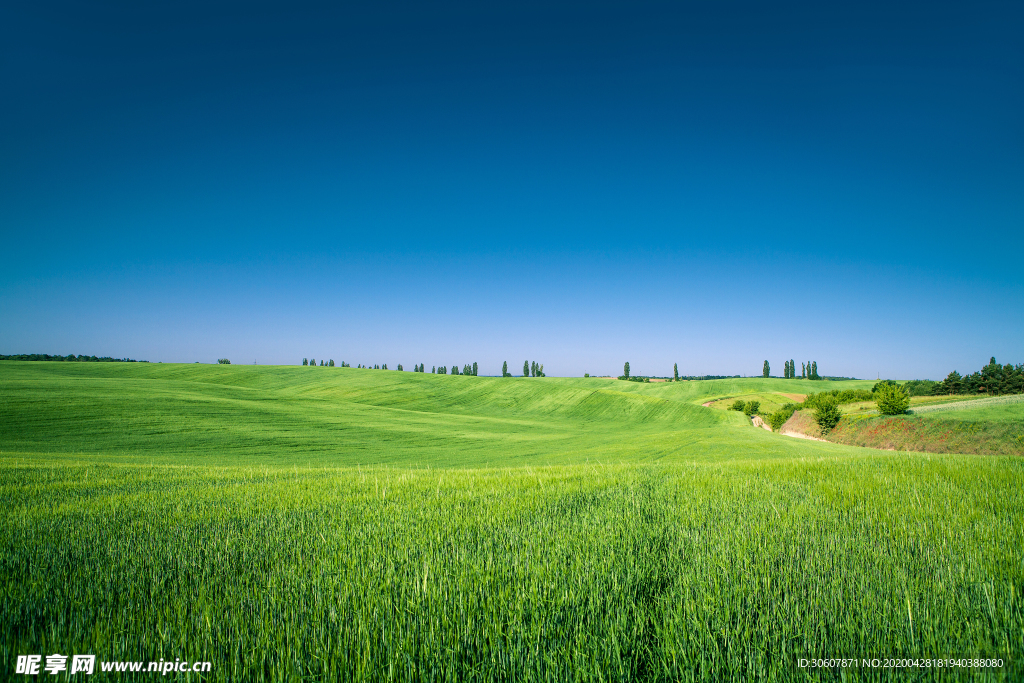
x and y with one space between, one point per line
631 378
808 370
467 369
70 358
701 377
993 380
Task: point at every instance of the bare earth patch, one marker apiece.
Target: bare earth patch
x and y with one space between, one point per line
802 426
796 398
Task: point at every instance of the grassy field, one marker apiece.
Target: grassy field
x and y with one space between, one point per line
344 524
993 409
987 426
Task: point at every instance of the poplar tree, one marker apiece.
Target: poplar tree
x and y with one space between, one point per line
675 372
526 368
625 370
305 361
474 369
504 369
766 370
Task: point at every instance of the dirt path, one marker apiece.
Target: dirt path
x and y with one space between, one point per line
798 435
758 422
708 404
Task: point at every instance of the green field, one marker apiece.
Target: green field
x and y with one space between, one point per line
986 426
290 523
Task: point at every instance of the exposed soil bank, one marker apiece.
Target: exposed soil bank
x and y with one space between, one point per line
908 432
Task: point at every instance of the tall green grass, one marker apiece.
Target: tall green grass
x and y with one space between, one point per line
669 542
996 408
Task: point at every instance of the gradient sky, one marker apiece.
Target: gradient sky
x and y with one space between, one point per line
580 184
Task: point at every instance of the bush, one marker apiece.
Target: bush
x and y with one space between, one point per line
777 419
752 407
892 399
920 387
780 416
224 361
827 414
883 383
840 397
737 405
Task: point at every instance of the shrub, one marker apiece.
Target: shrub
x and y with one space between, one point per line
827 414
752 407
224 361
892 399
777 419
920 387
780 416
840 396
737 405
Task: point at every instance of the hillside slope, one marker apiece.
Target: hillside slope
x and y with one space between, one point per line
346 416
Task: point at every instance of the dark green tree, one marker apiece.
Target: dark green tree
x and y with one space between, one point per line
526 368
952 384
475 369
766 370
827 413
504 369
625 370
675 372
305 361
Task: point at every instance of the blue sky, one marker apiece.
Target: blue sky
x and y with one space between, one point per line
580 184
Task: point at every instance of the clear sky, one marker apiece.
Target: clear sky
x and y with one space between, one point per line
581 184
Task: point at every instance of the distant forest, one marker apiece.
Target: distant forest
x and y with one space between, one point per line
71 358
993 379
